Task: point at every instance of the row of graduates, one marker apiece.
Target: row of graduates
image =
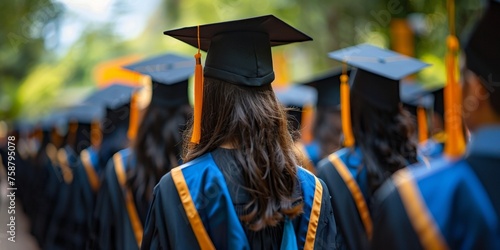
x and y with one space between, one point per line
240 187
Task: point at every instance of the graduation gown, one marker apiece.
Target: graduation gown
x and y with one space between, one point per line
117 223
196 206
47 200
74 229
455 204
347 180
57 236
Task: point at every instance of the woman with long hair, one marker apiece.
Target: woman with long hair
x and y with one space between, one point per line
132 173
241 187
383 133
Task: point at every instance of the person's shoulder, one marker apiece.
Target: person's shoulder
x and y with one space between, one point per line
192 169
423 174
438 168
327 162
125 153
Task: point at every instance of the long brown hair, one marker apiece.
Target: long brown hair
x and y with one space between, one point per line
252 120
157 148
384 137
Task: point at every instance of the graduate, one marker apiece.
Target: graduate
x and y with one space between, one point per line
80 119
48 179
299 102
108 134
456 203
383 137
241 187
127 187
327 131
434 146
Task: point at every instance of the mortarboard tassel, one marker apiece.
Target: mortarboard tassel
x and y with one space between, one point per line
422 124
198 95
307 123
455 142
95 134
346 108
133 125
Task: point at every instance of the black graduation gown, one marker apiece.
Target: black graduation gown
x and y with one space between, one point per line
112 220
58 230
461 198
167 226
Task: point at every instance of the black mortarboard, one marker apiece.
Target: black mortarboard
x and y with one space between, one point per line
112 97
482 49
85 113
296 98
169 74
55 120
239 51
328 88
378 72
416 94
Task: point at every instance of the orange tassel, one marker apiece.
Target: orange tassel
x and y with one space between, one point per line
133 125
346 108
455 142
95 134
307 123
198 95
422 125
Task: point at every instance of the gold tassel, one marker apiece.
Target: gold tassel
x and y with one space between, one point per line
198 95
306 124
455 142
346 108
95 134
422 124
133 125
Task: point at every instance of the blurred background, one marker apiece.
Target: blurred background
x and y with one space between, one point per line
54 52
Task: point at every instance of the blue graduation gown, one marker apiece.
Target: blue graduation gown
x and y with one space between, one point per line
192 208
455 204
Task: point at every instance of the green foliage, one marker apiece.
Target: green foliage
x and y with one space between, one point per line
25 26
34 79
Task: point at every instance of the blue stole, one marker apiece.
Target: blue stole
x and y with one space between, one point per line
209 209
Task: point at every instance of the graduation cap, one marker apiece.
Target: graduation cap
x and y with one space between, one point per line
238 52
300 101
328 88
482 50
56 120
297 98
112 97
416 95
169 74
84 113
378 72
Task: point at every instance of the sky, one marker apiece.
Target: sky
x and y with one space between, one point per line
128 17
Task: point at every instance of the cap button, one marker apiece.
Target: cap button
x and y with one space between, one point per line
381 60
